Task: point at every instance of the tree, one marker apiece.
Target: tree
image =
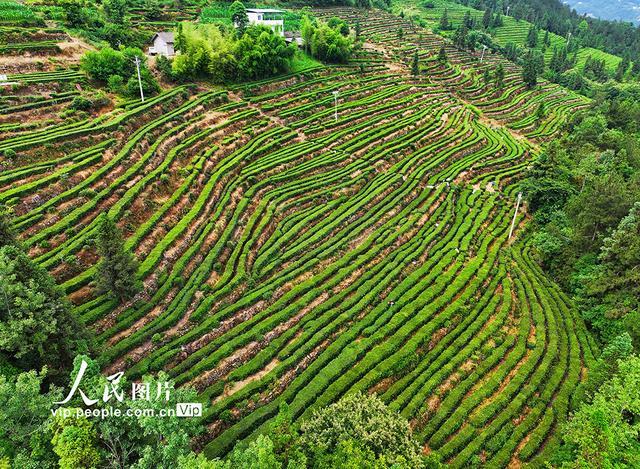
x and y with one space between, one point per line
207 51
74 13
117 269
486 76
460 37
604 433
467 20
24 414
307 30
442 54
239 16
487 18
400 33
329 45
258 454
7 229
497 20
358 29
285 437
75 442
153 9
541 112
100 65
150 86
339 24
139 439
499 75
530 70
511 51
115 10
621 69
415 64
363 419
532 37
37 327
445 24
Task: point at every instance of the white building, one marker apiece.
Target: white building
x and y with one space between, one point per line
162 44
271 18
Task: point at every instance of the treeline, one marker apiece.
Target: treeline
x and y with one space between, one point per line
584 193
42 347
616 37
359 431
472 34
222 54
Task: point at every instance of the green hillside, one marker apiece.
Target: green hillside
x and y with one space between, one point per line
513 31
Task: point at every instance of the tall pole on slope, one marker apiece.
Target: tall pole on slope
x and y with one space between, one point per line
515 215
484 48
335 100
137 59
568 39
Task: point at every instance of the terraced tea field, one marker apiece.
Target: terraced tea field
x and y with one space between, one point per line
289 255
513 31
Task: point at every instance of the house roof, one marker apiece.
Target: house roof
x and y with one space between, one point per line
261 10
165 36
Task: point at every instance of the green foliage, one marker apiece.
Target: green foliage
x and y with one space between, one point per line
38 327
102 64
133 441
442 55
366 420
604 433
115 10
445 23
326 43
153 9
532 37
24 412
239 16
7 229
499 76
75 442
415 64
150 86
339 24
117 270
221 56
532 68
81 103
584 191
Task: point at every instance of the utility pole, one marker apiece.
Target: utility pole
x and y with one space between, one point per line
508 6
568 39
515 214
137 59
335 99
484 48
